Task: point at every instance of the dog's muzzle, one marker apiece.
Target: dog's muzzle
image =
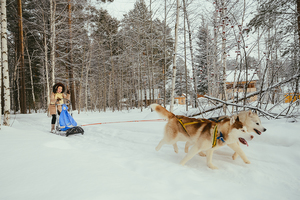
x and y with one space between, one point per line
258 132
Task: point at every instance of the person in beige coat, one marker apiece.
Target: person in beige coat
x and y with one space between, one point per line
57 97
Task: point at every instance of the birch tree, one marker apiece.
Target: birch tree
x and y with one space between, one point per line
174 56
4 52
191 52
1 77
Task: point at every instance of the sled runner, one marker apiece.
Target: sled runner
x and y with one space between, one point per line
65 124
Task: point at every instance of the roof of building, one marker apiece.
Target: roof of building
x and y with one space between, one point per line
241 74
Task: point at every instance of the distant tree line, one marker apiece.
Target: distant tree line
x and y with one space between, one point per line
112 64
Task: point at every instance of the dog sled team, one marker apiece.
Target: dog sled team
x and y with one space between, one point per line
205 136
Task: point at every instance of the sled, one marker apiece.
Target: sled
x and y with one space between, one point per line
65 124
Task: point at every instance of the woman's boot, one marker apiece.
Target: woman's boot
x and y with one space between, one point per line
52 128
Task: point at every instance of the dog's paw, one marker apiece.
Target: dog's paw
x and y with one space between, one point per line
182 163
247 161
234 156
212 166
202 154
175 148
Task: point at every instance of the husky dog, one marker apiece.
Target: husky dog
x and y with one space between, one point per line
204 134
252 121
253 124
249 119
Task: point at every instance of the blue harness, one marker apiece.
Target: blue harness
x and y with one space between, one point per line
221 137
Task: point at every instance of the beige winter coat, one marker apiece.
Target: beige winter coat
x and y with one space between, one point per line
53 100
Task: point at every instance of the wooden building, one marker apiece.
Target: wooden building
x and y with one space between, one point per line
239 80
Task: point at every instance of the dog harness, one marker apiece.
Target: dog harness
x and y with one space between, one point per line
215 138
217 119
184 124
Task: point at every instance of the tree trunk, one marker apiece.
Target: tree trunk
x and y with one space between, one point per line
105 85
112 78
1 79
81 81
165 53
185 67
245 59
31 81
139 68
46 65
87 77
71 71
16 81
174 57
149 75
208 60
22 65
298 18
86 88
121 86
192 55
151 89
4 52
52 24
224 55
215 71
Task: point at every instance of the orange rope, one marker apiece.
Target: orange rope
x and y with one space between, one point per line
149 120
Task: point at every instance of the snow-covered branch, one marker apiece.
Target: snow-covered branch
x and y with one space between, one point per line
248 96
237 105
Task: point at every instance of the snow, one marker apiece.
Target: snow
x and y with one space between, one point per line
119 162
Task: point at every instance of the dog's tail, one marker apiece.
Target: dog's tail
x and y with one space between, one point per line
162 111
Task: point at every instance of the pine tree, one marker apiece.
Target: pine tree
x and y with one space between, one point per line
201 55
181 79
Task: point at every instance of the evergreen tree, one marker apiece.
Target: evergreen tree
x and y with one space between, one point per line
201 56
143 49
180 82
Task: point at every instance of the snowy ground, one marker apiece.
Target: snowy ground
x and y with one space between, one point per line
119 161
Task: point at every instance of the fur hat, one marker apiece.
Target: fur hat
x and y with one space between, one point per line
55 87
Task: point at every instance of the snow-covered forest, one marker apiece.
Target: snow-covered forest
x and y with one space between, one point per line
234 52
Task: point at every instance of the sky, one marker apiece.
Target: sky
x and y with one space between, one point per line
117 8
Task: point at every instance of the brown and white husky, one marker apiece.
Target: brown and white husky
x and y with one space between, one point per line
201 133
253 124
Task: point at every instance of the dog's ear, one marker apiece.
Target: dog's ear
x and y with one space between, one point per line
232 120
250 113
237 119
